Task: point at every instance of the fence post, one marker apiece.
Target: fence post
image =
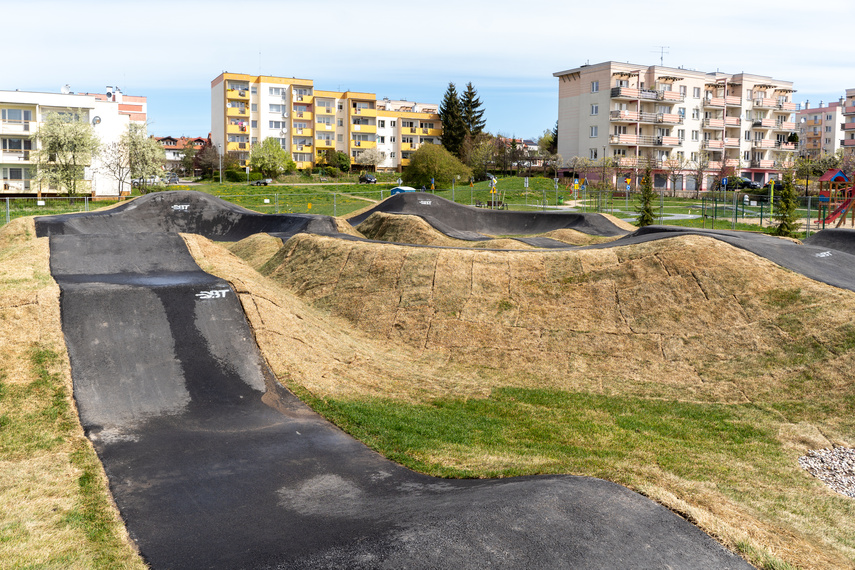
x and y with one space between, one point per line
334 205
807 229
86 203
8 219
276 200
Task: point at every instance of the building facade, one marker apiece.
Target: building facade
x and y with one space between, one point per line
173 149
308 122
21 113
820 128
674 118
847 140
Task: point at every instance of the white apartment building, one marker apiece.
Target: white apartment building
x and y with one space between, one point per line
635 113
21 113
820 128
308 122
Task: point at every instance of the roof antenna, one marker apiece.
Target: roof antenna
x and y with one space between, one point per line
662 53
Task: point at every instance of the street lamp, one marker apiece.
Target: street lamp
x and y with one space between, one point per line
220 147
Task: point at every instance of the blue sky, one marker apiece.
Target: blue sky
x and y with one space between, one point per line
170 51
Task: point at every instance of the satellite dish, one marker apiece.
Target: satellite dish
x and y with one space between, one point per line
66 89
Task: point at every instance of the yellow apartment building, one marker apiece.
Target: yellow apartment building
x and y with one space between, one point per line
308 122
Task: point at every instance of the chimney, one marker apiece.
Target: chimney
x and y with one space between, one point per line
807 103
117 96
820 104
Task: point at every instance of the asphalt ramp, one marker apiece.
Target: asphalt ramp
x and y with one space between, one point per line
214 465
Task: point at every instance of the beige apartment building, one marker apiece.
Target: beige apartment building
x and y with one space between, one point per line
848 127
308 122
673 116
820 128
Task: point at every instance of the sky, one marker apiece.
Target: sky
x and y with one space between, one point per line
170 51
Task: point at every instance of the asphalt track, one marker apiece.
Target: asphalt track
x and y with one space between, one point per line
215 465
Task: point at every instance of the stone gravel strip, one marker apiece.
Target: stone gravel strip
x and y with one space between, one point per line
835 467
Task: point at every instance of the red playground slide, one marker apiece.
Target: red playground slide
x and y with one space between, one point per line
842 209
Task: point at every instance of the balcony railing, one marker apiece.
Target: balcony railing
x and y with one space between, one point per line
785 126
649 94
714 102
15 156
731 142
713 144
763 143
14 127
765 103
847 142
762 163
733 101
763 123
732 121
636 117
714 123
783 145
644 140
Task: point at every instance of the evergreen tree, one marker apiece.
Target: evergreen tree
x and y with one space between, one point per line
785 211
645 200
473 114
453 128
553 145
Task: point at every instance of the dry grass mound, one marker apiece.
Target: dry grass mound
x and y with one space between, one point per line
407 229
55 507
687 319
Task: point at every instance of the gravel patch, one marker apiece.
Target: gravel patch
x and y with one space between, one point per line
835 467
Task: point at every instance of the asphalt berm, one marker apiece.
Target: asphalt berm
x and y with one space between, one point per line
214 465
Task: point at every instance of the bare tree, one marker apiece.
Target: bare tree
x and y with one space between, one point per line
116 164
675 165
699 168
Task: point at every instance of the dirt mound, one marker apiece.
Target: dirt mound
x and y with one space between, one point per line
403 228
688 318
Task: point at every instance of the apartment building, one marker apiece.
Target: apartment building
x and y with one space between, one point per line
820 128
847 140
21 113
173 149
635 113
308 122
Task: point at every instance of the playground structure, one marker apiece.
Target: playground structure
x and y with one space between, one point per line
835 201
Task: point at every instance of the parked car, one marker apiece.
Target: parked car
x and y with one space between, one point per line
367 179
170 178
145 181
741 183
262 182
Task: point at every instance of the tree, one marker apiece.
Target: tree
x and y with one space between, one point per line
646 199
453 127
553 148
145 155
66 145
115 163
674 165
699 167
371 157
785 212
478 153
188 159
544 143
339 159
208 160
270 159
432 161
471 111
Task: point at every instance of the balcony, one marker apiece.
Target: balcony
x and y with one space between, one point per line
731 142
787 106
364 144
668 141
849 110
236 129
323 127
405 162
847 142
847 126
713 144
13 156
733 101
714 123
303 98
714 165
325 143
371 129
782 145
237 94
15 127
324 110
785 126
631 140
762 163
624 116
15 186
765 103
763 123
237 112
813 123
763 143
648 94
235 146
363 112
714 102
732 121
305 115
430 132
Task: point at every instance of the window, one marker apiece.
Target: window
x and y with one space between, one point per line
381 124
827 141
254 107
828 129
341 106
694 157
392 124
620 129
695 135
696 113
681 134
277 108
391 139
595 86
392 154
696 92
683 89
253 124
746 156
829 117
275 91
748 135
592 154
594 131
381 140
682 112
253 90
341 122
254 140
595 109
340 138
622 83
278 124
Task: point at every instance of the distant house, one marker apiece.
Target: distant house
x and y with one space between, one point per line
174 149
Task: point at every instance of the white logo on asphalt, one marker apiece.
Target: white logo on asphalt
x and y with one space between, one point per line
823 254
212 294
425 202
181 207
